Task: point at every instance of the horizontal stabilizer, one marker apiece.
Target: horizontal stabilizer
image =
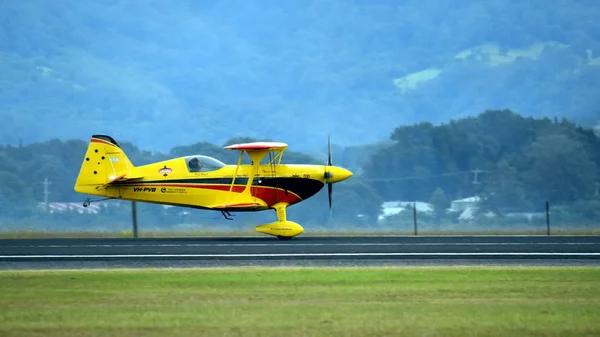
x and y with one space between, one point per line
122 177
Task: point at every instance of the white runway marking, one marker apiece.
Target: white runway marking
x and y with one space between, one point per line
126 256
311 244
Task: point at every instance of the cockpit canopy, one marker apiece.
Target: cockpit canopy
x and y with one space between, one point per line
203 163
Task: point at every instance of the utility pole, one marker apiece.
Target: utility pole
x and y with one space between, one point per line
475 176
46 193
415 216
547 218
134 219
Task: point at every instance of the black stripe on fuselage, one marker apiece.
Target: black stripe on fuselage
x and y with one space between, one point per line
303 187
226 181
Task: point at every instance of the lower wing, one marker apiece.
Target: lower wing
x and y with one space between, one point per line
246 206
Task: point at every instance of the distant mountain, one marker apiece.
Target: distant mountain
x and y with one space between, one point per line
160 73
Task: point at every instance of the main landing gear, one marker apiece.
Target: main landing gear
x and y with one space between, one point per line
282 228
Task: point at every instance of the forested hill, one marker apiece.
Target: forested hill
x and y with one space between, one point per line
161 73
522 162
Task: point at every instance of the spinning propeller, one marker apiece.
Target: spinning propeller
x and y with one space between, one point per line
327 173
333 174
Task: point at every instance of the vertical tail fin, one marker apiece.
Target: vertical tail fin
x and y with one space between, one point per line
104 161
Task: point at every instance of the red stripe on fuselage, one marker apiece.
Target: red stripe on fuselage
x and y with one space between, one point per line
269 195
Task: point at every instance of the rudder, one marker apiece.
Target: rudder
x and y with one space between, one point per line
104 161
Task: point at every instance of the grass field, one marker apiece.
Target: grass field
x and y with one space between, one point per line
440 301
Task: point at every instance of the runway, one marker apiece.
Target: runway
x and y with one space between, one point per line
303 250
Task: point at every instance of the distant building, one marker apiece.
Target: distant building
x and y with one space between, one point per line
530 217
461 205
465 210
62 207
93 208
390 208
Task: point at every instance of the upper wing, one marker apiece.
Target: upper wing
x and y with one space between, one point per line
258 146
258 150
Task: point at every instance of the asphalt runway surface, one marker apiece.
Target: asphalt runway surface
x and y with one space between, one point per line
300 251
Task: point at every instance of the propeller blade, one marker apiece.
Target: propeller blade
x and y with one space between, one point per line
329 190
328 151
326 174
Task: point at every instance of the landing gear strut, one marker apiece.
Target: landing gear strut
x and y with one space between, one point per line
226 215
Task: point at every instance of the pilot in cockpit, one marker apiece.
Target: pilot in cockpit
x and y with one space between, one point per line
195 165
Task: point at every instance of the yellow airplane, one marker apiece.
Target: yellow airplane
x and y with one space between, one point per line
206 183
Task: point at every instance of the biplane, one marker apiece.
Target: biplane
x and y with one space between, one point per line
205 182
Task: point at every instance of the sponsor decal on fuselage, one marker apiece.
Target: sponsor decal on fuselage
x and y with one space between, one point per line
173 190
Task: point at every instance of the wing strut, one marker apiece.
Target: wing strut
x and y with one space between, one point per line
257 152
245 197
236 170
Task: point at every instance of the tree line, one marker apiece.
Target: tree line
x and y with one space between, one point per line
513 163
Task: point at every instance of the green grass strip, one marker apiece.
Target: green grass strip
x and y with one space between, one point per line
415 301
